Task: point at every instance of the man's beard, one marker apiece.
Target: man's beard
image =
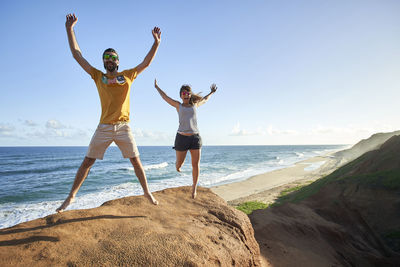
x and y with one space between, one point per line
111 67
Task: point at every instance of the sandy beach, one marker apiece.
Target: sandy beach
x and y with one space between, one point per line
266 187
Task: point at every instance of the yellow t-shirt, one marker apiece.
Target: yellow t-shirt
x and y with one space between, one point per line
114 94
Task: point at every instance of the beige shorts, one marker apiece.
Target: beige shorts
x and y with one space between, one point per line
105 134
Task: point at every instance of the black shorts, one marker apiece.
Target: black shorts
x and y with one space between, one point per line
183 142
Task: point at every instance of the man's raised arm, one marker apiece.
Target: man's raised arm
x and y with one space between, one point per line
149 57
73 44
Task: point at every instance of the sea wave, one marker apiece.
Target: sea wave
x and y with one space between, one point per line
147 167
236 176
155 166
39 170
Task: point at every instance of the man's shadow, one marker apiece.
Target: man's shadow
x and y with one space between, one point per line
51 222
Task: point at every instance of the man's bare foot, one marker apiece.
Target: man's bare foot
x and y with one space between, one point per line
178 169
150 197
65 204
194 192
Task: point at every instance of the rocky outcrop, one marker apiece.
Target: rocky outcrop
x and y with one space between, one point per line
130 231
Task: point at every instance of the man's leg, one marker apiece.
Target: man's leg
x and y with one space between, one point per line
127 144
139 171
81 175
195 155
180 159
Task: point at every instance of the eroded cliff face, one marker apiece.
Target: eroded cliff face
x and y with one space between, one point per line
132 232
372 143
348 218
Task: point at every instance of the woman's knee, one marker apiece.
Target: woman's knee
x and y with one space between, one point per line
195 162
196 167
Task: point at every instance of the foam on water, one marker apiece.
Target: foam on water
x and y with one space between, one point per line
156 166
12 213
147 167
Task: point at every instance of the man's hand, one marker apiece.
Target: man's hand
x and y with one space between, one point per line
71 21
156 34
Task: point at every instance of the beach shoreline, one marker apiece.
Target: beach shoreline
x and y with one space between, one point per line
268 186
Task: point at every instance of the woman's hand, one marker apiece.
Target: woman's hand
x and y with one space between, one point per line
156 32
213 88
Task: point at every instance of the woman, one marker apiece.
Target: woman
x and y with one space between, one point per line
187 137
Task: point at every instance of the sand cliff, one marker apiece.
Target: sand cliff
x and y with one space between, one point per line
132 232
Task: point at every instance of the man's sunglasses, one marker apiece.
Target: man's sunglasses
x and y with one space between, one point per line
113 57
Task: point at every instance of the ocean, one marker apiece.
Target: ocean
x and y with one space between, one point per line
34 181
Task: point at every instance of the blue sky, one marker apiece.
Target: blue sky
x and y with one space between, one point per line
288 72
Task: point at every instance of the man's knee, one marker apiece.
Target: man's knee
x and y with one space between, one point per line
135 162
88 162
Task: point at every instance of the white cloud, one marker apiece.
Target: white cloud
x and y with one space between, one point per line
139 133
6 130
236 131
57 133
54 124
55 130
332 130
317 134
270 130
352 129
30 123
312 132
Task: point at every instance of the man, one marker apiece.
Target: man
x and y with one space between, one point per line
113 88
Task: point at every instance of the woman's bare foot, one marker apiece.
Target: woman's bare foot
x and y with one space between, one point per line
150 197
65 204
194 191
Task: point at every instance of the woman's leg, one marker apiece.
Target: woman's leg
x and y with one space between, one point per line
195 154
180 159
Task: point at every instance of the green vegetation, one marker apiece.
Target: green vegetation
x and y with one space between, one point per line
385 179
313 188
393 234
300 193
289 190
249 207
